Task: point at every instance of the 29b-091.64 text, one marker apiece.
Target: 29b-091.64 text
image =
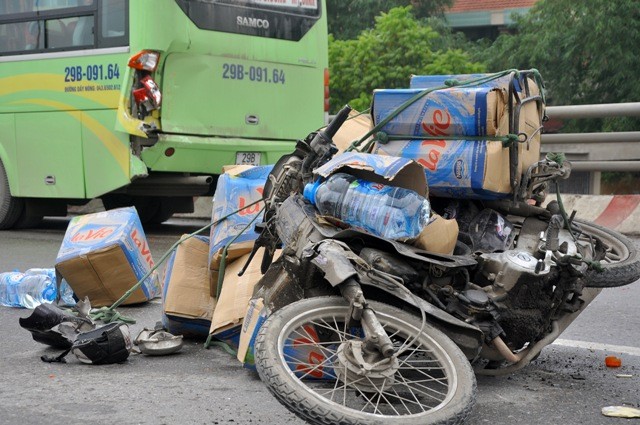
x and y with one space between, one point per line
262 74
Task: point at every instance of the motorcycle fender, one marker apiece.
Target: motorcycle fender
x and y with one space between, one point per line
467 337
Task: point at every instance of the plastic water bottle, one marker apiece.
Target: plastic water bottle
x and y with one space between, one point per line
387 211
32 288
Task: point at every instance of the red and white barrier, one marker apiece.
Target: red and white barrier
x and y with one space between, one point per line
617 212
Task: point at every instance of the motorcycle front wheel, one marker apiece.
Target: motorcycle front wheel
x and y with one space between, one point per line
621 264
300 355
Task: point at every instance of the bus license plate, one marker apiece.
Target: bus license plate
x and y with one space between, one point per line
248 158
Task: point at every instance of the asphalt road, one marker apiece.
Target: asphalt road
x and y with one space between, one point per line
567 384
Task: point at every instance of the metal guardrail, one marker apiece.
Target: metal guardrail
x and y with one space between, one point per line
631 109
620 159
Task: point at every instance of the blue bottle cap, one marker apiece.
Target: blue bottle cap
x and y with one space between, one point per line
310 190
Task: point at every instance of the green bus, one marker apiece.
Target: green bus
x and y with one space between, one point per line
142 102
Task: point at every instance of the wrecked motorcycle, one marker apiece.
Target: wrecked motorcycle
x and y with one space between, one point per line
364 329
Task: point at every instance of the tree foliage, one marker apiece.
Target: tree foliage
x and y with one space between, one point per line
586 51
347 18
386 56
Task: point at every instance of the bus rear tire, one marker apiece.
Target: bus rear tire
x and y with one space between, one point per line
26 221
10 207
146 206
164 212
152 210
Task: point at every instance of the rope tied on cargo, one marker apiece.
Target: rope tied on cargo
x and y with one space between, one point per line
223 257
109 314
507 140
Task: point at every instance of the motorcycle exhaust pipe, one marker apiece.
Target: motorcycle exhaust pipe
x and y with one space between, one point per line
506 352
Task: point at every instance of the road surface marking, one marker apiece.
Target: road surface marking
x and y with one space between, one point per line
633 351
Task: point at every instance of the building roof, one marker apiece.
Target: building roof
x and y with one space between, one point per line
485 5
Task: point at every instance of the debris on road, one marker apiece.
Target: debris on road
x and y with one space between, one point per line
158 342
621 412
613 361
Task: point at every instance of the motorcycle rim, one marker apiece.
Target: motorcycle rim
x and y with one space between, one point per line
299 356
621 264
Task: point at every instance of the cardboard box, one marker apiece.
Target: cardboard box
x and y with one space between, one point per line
303 356
253 319
464 168
439 235
238 187
458 111
356 127
236 292
186 303
104 254
394 171
235 251
458 168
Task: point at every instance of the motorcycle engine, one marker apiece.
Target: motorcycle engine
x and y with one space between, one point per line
527 284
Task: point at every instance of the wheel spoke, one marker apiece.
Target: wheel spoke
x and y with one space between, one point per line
344 335
421 389
307 367
402 400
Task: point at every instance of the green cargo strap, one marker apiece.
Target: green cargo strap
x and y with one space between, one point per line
507 140
223 257
226 347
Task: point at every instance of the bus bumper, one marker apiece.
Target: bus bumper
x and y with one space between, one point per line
197 154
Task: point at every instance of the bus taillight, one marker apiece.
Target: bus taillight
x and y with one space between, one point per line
326 90
148 95
145 91
145 60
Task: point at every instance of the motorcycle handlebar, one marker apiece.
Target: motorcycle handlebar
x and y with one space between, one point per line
337 122
322 141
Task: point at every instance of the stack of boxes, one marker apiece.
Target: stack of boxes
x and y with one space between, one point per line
457 134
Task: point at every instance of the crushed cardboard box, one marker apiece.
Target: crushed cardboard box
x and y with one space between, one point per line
438 236
254 317
237 188
394 171
234 251
353 129
236 292
187 304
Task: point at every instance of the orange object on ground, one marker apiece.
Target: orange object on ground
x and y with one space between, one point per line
613 361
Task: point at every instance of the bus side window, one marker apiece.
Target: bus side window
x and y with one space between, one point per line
59 32
83 31
21 36
11 38
113 18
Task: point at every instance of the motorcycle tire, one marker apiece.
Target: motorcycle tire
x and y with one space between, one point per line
621 265
298 357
